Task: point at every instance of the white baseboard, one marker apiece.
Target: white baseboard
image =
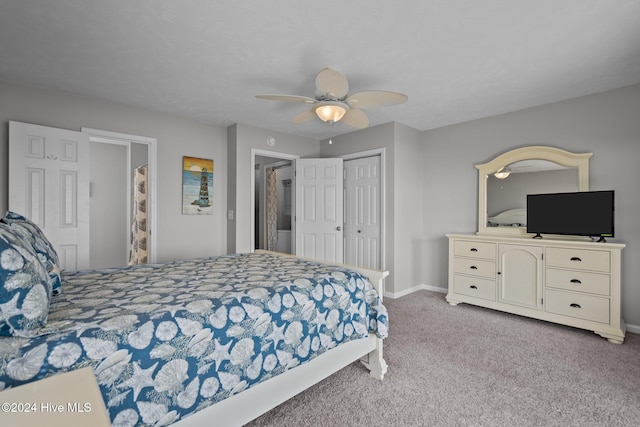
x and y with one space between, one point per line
634 329
421 287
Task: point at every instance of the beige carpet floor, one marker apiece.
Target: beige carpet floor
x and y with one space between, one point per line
470 366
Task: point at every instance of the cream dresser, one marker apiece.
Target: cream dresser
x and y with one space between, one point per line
574 283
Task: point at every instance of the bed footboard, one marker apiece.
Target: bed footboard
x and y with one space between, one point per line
374 361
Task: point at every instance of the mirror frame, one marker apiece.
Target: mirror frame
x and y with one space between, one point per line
552 154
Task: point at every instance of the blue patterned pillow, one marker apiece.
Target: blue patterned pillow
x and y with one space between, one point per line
32 234
25 288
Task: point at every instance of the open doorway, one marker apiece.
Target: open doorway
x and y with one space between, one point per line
273 201
272 231
123 190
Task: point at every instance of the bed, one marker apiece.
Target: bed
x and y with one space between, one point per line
185 342
509 218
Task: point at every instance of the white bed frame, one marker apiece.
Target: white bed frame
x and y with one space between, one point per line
510 216
236 410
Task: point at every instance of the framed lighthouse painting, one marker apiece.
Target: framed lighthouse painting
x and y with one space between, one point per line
197 186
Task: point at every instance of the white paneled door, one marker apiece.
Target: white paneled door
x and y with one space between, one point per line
319 209
363 226
49 184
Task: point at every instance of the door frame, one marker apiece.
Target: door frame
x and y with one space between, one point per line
351 156
258 152
109 137
371 153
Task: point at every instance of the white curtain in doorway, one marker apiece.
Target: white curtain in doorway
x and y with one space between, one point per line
271 208
138 253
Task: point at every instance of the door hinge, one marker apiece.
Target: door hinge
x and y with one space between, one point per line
541 301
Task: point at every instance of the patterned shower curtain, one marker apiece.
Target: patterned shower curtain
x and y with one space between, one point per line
271 208
138 253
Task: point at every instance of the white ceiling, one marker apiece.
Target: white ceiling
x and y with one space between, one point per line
456 60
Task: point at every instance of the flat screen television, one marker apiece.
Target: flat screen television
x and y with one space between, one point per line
585 213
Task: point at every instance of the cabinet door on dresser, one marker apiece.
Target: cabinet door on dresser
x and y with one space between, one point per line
520 275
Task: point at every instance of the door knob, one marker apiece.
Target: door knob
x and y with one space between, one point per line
338 228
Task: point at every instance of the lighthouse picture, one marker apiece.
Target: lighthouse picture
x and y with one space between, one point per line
197 186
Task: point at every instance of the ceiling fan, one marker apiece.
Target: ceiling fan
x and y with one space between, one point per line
332 102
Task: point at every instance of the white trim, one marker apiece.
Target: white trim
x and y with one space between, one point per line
383 185
109 137
363 154
634 329
421 287
124 137
258 152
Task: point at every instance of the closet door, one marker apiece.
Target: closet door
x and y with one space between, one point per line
363 228
49 184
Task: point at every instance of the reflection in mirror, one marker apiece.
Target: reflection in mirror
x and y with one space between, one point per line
527 170
507 197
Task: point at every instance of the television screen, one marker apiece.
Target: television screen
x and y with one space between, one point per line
586 213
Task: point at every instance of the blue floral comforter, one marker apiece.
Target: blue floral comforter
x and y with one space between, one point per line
166 340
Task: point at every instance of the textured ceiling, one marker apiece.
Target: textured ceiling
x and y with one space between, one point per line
456 60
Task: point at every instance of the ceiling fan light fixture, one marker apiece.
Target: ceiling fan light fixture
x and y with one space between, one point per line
332 102
502 173
330 112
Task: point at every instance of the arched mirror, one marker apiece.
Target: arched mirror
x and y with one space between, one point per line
504 182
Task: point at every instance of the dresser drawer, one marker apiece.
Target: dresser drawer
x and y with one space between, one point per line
474 249
588 307
475 267
576 280
475 287
581 259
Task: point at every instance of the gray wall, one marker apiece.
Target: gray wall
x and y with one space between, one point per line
606 124
179 236
409 208
108 205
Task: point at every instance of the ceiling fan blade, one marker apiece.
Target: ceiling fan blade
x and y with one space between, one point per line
375 98
332 83
356 118
303 117
287 98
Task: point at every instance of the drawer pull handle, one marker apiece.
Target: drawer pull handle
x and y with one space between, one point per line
576 281
473 267
574 305
473 250
575 258
473 287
